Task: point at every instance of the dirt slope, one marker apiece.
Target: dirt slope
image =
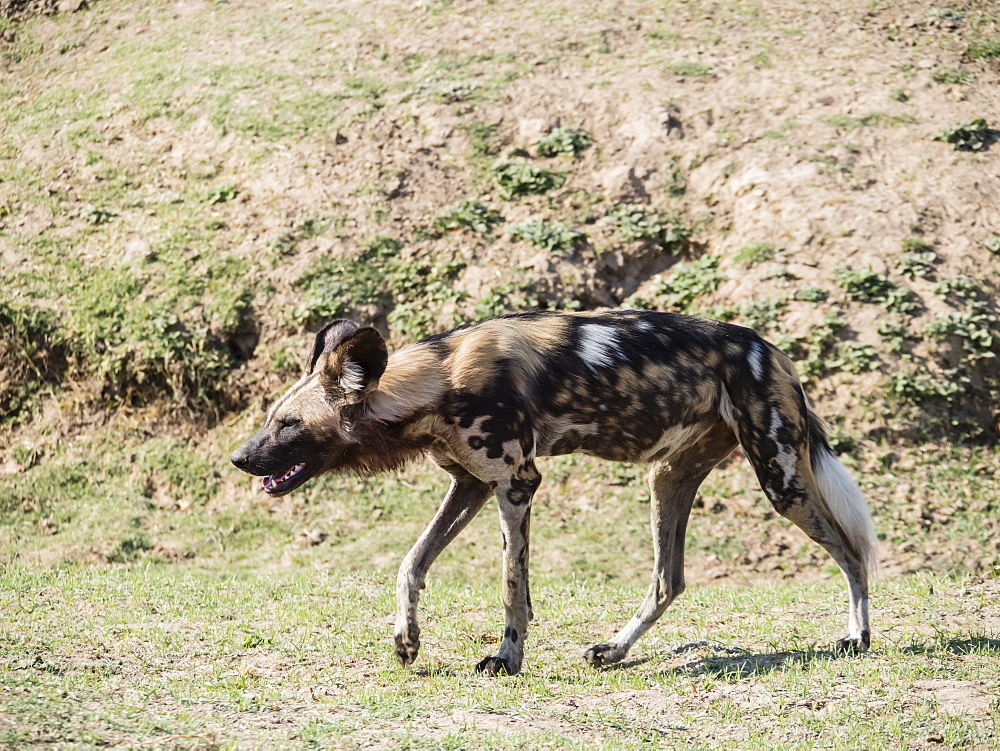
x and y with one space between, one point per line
186 190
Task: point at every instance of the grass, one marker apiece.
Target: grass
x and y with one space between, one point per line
755 252
304 658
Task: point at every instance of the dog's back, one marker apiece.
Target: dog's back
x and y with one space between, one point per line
621 385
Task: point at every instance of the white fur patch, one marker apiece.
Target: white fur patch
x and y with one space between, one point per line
786 457
599 345
644 326
352 376
756 359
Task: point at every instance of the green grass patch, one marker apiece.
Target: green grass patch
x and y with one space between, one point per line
690 69
305 658
333 287
755 252
985 49
953 75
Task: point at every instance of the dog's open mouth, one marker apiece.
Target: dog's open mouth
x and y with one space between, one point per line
287 482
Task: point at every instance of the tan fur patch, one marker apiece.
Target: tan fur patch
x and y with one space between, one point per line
307 401
413 379
476 350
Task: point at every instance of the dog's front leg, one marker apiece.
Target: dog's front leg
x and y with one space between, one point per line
465 499
514 498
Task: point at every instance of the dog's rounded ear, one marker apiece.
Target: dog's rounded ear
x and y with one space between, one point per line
355 364
329 338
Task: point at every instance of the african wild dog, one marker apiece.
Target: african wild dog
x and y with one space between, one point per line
484 401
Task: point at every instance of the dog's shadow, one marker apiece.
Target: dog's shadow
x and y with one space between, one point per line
733 663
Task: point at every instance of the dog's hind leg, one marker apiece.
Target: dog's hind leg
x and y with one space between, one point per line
807 484
465 499
673 486
817 504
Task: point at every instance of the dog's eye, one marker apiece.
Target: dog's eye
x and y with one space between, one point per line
289 422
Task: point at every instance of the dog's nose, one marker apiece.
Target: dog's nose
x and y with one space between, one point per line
240 458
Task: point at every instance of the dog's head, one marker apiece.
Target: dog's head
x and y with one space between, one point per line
309 430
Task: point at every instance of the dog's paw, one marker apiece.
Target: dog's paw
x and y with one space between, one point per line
408 644
600 655
852 646
497 665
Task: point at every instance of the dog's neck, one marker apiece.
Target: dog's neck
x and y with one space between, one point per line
413 383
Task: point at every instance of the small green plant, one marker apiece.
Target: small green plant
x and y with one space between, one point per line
676 184
761 316
993 244
966 136
947 14
864 285
974 329
986 49
451 92
482 139
552 238
811 294
688 282
855 357
917 259
94 216
505 298
950 75
332 287
755 252
893 332
128 549
519 179
468 214
811 351
690 69
222 194
899 95
564 141
960 286
636 221
916 387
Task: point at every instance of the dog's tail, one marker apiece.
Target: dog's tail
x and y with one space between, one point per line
842 497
